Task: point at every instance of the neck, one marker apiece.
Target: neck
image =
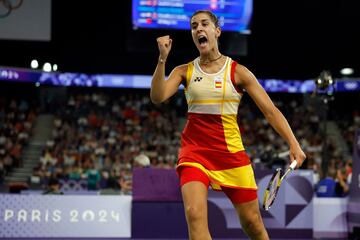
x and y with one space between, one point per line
208 59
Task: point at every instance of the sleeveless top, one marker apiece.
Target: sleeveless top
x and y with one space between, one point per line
211 139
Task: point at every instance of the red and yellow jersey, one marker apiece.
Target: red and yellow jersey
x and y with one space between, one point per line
211 139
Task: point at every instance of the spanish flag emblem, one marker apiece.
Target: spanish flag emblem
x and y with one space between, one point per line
218 83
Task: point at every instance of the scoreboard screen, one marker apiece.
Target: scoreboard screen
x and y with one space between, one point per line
234 15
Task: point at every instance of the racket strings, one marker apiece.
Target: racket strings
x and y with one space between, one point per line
274 185
272 190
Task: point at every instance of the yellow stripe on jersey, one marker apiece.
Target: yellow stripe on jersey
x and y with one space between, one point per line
224 87
232 133
213 101
240 177
189 73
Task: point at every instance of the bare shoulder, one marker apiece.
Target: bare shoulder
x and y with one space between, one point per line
243 75
180 71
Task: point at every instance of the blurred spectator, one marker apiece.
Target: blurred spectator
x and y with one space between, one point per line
342 186
327 186
2 171
334 185
348 169
125 182
75 172
93 177
53 187
141 161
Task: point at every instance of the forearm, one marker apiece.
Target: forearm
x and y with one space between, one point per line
158 83
281 125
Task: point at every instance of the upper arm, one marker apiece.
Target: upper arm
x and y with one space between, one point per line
247 81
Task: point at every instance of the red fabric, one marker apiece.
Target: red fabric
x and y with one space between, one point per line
237 196
206 129
232 76
203 141
188 174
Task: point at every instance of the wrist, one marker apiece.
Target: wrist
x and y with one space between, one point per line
162 60
294 144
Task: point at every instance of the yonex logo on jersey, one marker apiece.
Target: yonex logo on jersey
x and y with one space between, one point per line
198 79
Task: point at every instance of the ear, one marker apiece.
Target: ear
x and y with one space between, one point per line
218 32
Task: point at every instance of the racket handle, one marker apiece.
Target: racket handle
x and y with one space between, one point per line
293 165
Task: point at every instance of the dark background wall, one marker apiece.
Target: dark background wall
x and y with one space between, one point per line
289 39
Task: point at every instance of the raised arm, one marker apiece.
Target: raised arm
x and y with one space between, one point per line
248 81
162 89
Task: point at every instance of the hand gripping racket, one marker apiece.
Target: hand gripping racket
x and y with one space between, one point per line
274 185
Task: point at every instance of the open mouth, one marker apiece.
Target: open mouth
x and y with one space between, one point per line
202 40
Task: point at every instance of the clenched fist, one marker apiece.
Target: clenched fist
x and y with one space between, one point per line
164 45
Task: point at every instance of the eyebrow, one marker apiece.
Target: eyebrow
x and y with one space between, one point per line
202 20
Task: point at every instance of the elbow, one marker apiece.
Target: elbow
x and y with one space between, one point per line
155 99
